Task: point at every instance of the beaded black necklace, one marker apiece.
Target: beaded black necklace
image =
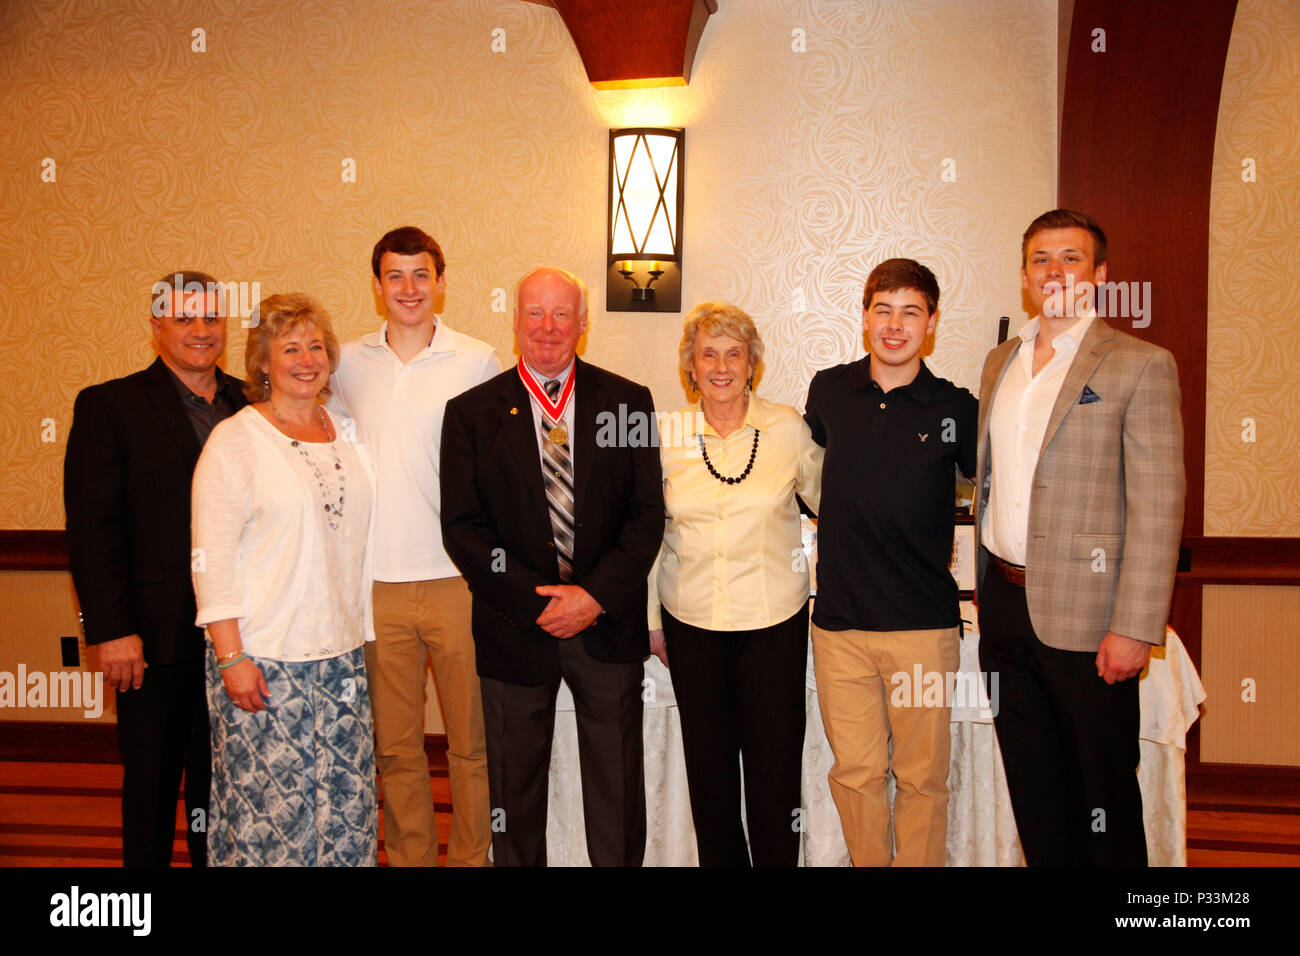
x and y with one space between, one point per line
753 452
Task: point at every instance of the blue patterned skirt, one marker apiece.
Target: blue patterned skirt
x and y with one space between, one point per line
294 785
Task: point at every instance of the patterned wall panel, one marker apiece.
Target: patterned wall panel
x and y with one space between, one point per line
818 138
1252 444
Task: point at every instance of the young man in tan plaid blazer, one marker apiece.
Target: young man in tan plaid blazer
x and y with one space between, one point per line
1079 515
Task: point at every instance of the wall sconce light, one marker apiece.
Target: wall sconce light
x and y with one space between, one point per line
646 196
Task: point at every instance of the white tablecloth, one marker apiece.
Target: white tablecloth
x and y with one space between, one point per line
981 827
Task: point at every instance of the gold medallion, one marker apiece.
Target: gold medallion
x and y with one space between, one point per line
558 435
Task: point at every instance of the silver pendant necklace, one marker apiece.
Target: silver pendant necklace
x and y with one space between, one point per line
333 510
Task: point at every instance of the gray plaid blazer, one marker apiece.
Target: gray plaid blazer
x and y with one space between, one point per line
1106 511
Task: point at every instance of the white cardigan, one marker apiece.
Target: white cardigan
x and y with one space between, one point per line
256 562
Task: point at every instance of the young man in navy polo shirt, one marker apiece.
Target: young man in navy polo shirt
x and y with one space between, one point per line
886 602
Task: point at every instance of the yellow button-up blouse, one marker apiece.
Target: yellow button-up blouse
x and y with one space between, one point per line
732 557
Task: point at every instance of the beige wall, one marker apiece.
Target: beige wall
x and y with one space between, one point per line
804 169
1253 365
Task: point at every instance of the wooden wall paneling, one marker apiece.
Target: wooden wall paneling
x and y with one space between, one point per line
1138 118
1251 653
625 44
1137 148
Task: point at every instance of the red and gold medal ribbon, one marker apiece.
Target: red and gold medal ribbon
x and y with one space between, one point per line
554 411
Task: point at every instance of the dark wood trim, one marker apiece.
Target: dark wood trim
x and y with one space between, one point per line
1266 561
1240 846
56 742
1137 153
112 856
1185 619
1267 808
629 44
1243 786
1137 126
33 551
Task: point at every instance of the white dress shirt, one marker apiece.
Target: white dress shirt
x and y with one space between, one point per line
398 409
1022 407
732 558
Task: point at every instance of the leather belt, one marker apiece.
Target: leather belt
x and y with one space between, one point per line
1011 573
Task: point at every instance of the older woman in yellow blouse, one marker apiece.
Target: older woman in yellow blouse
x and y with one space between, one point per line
733 586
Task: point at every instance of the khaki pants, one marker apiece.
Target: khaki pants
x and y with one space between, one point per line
416 620
863 705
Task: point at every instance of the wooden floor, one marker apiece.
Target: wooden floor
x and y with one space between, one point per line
67 814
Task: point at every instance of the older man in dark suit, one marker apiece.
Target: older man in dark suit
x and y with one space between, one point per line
555 532
1079 508
131 453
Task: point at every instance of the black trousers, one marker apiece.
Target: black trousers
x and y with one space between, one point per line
1069 741
162 730
519 724
742 694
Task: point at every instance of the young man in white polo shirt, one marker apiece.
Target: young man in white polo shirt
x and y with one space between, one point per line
395 383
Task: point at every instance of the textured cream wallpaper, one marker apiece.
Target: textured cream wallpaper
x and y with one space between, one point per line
1252 487
818 136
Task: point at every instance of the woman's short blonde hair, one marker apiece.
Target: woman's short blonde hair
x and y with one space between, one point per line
277 315
718 318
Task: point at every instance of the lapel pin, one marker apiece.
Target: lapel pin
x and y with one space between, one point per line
514 411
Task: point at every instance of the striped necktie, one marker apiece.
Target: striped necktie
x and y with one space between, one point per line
557 474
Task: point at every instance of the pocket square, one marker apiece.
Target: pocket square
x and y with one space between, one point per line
1089 396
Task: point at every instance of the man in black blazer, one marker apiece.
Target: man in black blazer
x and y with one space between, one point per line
126 490
554 518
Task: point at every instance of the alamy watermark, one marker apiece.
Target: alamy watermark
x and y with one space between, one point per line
964 690
84 689
233 298
75 908
1117 300
633 428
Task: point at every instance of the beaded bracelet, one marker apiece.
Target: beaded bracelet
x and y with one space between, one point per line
241 657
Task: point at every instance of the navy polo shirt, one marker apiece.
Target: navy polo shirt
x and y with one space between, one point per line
885 526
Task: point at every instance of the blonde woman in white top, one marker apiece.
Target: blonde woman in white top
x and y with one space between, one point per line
733 585
281 526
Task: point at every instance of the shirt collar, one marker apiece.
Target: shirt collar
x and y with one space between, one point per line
1074 333
921 388
444 340
758 416
224 383
228 383
543 379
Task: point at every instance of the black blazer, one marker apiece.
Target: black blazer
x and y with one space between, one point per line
496 526
126 491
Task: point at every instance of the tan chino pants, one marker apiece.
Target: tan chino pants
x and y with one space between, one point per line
415 621
864 701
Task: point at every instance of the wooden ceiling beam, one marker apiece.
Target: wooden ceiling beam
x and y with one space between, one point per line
630 44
